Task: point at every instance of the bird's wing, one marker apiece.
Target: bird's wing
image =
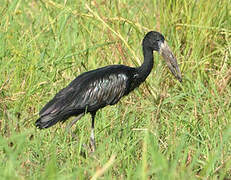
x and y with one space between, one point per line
104 91
88 94
61 100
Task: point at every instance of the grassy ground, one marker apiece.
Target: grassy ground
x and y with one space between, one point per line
163 130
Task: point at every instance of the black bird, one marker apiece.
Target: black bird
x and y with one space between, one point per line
98 88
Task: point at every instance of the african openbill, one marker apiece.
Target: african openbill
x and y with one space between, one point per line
98 88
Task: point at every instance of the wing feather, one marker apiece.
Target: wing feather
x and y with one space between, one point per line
88 94
104 91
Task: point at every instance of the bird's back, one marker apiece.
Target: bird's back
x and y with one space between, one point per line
88 92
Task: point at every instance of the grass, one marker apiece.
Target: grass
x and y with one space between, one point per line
163 130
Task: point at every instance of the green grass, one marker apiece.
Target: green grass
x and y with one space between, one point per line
163 130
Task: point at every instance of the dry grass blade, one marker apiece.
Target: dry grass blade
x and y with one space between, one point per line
116 33
101 171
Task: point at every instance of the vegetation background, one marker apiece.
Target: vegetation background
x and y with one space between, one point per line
163 130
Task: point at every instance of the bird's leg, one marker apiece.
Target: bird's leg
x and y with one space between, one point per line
68 127
92 137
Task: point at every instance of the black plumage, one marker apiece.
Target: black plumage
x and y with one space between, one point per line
98 88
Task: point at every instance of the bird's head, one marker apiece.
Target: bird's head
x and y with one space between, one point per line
156 42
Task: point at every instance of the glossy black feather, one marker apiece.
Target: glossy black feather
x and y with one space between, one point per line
98 88
87 93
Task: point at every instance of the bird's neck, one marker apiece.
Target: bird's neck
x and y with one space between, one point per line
145 69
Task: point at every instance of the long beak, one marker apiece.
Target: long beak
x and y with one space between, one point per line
170 59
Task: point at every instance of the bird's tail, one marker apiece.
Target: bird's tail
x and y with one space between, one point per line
49 120
46 121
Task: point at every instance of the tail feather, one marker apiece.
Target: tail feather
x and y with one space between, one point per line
46 121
